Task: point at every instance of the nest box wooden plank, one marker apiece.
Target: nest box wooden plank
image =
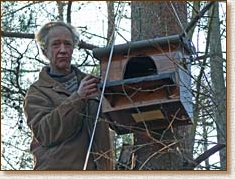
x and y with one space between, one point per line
148 85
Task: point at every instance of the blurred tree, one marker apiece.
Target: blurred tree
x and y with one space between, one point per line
218 91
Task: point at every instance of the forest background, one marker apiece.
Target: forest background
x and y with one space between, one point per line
20 65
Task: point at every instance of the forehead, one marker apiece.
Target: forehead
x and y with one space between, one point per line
59 33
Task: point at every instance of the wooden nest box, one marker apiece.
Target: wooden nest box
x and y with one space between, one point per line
148 84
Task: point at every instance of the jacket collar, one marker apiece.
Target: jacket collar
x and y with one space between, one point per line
45 80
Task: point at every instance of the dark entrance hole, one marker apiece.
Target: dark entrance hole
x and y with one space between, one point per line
139 67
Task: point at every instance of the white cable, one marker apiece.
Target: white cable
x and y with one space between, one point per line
103 89
182 27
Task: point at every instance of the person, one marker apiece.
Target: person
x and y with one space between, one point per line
61 107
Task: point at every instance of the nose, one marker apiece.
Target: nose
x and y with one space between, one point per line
62 48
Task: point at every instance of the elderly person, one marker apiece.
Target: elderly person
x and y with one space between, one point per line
61 108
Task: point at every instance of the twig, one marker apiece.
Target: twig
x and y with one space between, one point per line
205 156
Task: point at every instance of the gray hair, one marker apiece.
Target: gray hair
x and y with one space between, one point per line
42 35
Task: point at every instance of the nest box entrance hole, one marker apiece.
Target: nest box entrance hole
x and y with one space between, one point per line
139 67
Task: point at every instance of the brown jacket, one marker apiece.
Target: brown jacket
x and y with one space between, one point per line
62 124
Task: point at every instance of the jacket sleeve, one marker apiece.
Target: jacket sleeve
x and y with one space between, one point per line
51 125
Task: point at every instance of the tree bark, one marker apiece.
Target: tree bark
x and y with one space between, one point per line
156 19
166 149
111 22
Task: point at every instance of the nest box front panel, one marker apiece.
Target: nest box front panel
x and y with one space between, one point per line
155 99
115 71
148 87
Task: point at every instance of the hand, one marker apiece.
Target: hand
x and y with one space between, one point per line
88 86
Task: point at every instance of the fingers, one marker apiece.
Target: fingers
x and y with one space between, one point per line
88 86
91 79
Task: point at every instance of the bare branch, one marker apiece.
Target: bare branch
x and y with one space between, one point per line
81 44
17 35
15 11
69 11
87 46
205 156
198 16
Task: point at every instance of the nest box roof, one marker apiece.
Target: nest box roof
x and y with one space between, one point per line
99 53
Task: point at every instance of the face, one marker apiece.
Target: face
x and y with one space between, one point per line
59 50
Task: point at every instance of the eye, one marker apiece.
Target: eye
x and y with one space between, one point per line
56 44
68 43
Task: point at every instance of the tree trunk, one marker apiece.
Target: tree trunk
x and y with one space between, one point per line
166 149
218 83
60 6
111 22
156 19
